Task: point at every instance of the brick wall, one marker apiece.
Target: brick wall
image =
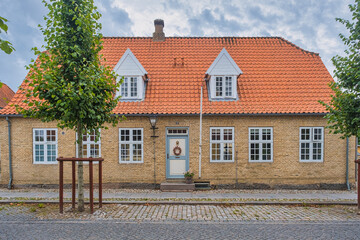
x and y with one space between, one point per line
284 170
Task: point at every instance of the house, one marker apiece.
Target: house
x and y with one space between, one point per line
237 111
6 95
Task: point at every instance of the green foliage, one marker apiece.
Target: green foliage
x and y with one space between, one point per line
344 108
67 81
5 45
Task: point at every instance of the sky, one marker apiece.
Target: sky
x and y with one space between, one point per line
310 24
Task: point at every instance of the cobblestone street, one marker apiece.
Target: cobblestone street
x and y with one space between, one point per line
219 213
115 221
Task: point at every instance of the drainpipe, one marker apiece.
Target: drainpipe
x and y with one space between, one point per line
347 164
10 161
200 141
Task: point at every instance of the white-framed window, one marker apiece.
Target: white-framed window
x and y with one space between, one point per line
223 87
222 144
311 144
91 148
45 146
260 144
130 89
131 145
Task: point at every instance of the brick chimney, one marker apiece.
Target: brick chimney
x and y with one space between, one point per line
159 35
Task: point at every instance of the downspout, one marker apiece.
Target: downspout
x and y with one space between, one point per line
347 164
200 141
10 161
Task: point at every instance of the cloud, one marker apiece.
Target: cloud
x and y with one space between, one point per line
309 24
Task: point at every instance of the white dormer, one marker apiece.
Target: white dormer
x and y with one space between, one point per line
223 74
133 87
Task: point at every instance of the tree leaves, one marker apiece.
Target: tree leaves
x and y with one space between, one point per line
5 45
344 108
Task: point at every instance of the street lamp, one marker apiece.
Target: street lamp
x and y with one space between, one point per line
153 120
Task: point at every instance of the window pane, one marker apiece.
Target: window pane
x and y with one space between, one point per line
254 134
133 87
215 134
254 151
266 151
215 151
316 151
39 153
228 134
85 150
305 151
266 134
51 153
125 135
317 134
50 135
124 88
305 134
39 135
219 87
94 150
228 86
125 152
228 151
136 152
137 135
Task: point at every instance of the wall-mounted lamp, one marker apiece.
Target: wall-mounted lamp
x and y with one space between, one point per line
153 120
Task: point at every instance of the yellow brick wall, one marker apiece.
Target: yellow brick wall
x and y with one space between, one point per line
284 170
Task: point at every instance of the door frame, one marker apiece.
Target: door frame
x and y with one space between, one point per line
167 150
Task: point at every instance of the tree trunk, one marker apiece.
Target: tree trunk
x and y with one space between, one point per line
79 132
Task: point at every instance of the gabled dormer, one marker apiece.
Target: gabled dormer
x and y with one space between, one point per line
222 77
135 77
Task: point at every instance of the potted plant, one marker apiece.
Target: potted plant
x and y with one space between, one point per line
189 177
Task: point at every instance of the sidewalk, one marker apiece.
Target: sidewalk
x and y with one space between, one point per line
134 196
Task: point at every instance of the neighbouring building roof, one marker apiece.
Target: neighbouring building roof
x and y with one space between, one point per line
277 76
6 95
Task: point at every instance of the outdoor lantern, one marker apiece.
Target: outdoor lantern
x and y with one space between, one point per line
153 121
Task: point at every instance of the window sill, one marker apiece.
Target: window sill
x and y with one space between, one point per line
311 161
131 162
261 161
222 161
45 163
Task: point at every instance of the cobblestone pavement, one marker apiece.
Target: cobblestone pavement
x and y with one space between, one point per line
199 213
115 221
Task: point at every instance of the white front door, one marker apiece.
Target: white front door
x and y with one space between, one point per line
177 153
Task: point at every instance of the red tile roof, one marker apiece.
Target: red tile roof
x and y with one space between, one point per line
6 95
278 77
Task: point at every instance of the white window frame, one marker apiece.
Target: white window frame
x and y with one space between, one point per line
45 143
311 141
138 88
131 143
88 143
260 142
233 87
222 141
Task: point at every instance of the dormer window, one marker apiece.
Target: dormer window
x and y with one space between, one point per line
224 87
130 88
223 74
135 77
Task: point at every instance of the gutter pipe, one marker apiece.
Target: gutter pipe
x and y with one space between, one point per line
347 164
10 160
200 141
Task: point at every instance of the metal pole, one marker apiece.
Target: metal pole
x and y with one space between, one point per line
347 164
100 184
236 169
358 188
61 187
91 187
73 185
10 154
200 137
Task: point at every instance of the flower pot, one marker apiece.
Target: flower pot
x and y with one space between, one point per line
189 180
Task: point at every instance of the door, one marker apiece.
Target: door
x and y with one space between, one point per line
177 153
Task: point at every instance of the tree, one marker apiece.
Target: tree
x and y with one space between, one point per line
5 45
344 108
67 82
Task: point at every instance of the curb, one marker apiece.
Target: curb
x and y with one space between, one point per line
232 203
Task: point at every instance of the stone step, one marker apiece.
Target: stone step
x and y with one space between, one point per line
177 187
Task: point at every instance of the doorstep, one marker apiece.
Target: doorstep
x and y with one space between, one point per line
177 187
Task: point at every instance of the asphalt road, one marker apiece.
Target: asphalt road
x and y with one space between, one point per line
112 229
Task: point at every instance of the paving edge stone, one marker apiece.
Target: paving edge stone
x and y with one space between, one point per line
224 203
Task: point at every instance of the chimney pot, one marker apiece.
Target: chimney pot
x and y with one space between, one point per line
159 35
